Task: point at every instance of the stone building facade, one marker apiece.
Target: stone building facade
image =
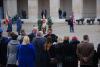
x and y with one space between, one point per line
33 8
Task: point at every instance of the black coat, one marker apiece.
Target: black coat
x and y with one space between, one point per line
66 42
95 59
52 54
98 51
69 53
74 43
39 47
70 22
31 36
53 36
3 50
59 52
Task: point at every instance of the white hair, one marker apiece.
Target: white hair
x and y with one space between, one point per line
39 34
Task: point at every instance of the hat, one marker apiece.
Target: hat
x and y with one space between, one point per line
1 30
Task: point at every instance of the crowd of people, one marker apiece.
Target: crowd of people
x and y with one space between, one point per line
49 50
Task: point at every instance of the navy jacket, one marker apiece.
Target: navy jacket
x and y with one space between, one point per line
19 24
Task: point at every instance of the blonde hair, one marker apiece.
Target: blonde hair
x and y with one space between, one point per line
26 40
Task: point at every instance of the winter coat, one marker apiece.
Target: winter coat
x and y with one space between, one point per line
53 36
52 56
9 28
19 25
59 52
26 55
32 36
3 50
85 49
40 55
12 51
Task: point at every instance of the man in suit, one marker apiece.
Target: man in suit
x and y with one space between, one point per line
85 52
19 25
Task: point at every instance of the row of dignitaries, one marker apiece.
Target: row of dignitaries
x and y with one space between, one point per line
46 51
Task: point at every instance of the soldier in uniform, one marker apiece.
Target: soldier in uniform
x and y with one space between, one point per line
39 24
9 26
44 21
19 25
49 23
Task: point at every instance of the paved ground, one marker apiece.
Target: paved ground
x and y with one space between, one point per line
62 29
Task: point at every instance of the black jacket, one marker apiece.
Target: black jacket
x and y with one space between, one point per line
3 50
53 36
59 52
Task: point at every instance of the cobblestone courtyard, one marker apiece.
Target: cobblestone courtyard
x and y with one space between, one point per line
62 29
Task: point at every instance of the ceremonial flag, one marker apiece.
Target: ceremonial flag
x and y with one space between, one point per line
7 18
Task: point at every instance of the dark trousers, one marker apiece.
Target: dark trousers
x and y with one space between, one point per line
70 64
2 65
53 65
11 65
71 28
86 66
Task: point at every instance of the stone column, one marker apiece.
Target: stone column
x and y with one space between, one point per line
54 7
77 8
33 9
98 8
10 6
